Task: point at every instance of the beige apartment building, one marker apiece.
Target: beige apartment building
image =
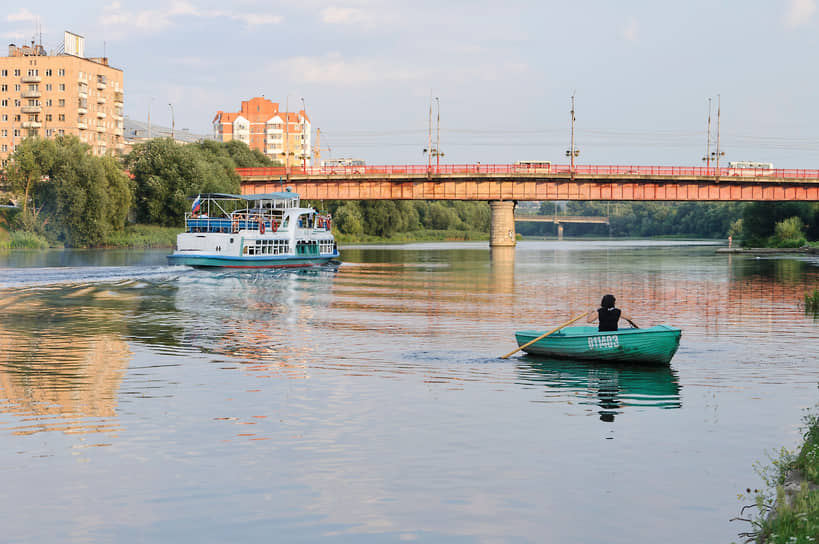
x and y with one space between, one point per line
45 95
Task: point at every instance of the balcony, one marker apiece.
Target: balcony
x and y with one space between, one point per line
118 131
81 110
100 128
32 109
83 92
32 124
101 114
82 125
118 96
100 85
31 94
31 79
100 100
117 115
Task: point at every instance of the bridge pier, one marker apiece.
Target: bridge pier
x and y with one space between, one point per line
502 227
560 231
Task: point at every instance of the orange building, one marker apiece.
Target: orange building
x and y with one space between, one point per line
262 126
47 95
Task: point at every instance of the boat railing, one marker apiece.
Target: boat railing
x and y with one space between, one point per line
227 225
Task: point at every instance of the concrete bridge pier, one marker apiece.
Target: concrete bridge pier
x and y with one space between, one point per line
560 231
502 227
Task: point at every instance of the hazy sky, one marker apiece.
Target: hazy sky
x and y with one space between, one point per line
503 72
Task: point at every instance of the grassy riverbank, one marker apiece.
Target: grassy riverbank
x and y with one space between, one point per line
788 509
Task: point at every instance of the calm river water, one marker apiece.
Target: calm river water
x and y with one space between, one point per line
367 402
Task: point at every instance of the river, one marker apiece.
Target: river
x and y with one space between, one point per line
366 402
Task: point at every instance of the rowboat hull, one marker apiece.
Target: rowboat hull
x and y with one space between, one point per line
655 345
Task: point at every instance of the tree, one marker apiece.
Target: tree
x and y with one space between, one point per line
75 197
168 174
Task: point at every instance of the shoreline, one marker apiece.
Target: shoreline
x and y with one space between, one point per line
769 250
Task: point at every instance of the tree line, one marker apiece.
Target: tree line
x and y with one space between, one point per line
69 196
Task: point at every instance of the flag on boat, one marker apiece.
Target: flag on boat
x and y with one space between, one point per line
196 204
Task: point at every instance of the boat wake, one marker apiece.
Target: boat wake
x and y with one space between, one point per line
39 277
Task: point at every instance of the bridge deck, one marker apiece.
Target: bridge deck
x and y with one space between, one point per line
512 182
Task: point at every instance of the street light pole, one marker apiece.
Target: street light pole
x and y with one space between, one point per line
429 145
438 138
173 121
303 138
572 153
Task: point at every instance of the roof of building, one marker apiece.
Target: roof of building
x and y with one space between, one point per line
138 130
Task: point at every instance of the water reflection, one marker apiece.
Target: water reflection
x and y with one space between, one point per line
63 358
611 388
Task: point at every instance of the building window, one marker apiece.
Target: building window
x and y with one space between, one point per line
48 117
4 73
49 132
5 117
61 132
48 102
17 103
61 72
48 72
17 88
17 72
61 117
17 118
34 72
5 148
4 133
61 102
62 86
16 132
48 86
4 103
32 87
4 87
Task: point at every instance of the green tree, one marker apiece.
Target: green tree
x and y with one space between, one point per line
78 198
168 174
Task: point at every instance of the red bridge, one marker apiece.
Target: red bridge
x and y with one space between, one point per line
502 184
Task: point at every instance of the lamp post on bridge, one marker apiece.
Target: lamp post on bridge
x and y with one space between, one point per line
712 155
572 152
429 150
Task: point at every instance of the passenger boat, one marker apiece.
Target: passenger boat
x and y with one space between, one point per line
654 345
253 231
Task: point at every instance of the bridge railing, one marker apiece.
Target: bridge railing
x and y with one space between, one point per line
478 168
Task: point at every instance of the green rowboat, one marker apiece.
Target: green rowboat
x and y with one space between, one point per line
655 345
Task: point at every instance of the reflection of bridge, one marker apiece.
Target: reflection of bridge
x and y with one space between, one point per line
502 184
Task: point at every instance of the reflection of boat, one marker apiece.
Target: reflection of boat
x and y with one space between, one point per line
253 231
652 345
612 387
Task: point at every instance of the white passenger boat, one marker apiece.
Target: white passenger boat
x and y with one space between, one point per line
253 231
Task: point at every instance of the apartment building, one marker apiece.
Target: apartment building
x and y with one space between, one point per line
49 94
262 125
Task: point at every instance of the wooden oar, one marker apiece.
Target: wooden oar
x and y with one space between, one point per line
566 324
633 324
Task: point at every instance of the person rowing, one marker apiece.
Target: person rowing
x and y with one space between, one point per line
608 315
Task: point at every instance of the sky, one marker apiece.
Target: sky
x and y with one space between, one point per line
498 77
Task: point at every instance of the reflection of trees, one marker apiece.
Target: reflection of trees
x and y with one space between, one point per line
612 388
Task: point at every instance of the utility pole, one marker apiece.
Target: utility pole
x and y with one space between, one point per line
438 138
718 116
303 134
317 150
572 153
707 157
429 145
173 121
